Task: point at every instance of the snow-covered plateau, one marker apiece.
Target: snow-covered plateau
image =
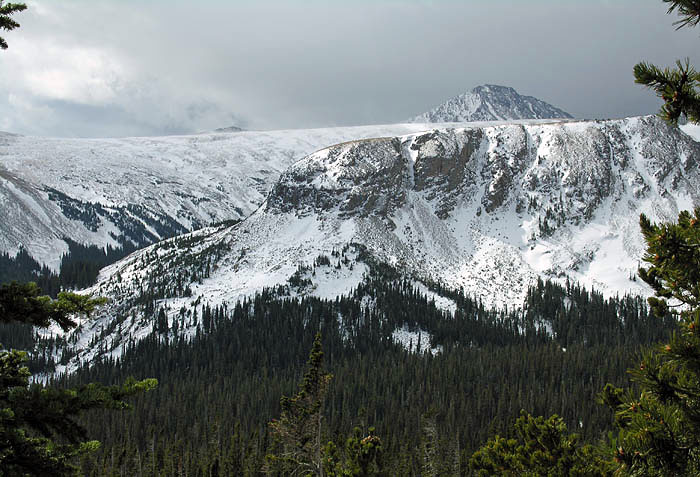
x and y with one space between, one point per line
486 208
140 190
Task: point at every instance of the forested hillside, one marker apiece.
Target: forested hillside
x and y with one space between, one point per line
219 389
78 268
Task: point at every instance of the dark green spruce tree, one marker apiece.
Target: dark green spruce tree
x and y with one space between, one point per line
363 456
298 431
297 435
6 21
659 427
540 448
40 434
678 87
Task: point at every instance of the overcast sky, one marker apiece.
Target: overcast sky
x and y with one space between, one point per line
122 67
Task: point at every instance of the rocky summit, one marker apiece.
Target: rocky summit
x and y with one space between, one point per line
490 103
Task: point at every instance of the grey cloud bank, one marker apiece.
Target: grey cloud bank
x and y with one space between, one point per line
81 68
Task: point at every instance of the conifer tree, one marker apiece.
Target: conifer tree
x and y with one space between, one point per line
679 87
659 428
429 444
298 430
363 457
6 21
541 447
39 430
21 302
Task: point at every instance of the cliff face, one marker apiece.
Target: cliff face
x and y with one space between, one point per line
572 167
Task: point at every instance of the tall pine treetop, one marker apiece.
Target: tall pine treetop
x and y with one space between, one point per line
659 428
678 87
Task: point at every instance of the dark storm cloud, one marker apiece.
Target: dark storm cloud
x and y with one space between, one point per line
112 68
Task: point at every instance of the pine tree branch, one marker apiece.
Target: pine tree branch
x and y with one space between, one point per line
21 303
678 87
688 10
6 22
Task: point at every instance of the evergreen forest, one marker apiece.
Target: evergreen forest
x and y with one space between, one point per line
219 388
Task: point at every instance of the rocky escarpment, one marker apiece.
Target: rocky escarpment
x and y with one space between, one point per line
355 178
535 169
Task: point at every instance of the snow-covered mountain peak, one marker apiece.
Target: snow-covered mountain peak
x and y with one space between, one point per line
491 103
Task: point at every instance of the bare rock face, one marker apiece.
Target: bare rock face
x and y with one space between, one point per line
571 167
444 166
490 103
354 178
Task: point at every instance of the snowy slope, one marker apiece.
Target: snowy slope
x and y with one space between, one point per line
692 130
108 191
485 208
490 103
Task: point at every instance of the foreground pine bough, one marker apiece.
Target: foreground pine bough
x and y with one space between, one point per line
40 430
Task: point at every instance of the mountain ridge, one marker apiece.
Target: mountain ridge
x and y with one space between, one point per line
487 210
